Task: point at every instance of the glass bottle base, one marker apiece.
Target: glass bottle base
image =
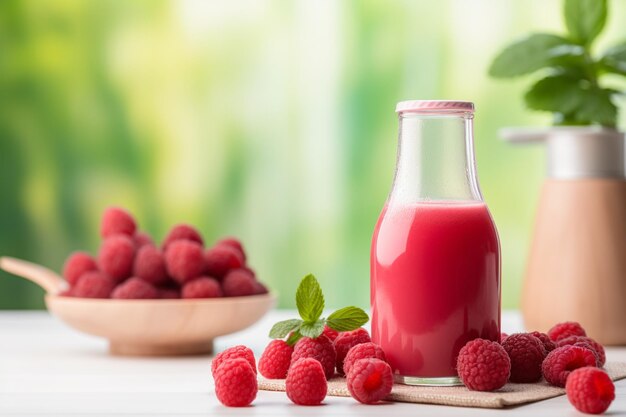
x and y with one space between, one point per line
447 381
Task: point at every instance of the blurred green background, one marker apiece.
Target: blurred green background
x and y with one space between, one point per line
269 120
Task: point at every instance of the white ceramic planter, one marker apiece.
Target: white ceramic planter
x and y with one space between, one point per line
576 267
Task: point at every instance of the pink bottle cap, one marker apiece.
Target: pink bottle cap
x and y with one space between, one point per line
423 106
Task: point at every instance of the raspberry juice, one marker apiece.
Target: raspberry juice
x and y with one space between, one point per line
435 255
435 284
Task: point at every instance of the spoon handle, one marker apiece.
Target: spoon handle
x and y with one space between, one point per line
45 278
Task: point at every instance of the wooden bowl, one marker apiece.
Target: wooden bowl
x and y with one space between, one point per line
160 327
147 327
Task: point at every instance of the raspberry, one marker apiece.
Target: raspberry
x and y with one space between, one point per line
93 284
250 270
239 283
203 287
459 342
149 265
275 360
563 360
483 365
345 341
134 289
330 333
233 243
221 259
76 265
566 329
168 293
590 390
182 232
589 347
141 239
320 349
548 344
239 351
235 383
184 260
595 346
527 354
115 221
260 288
503 336
370 380
362 351
306 383
116 257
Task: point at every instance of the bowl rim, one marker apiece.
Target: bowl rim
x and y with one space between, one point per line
174 301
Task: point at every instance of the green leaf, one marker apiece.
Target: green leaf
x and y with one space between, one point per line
597 107
567 120
556 93
347 318
283 328
309 299
585 19
614 59
312 329
574 101
532 53
295 336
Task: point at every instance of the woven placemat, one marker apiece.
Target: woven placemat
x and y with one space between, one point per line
509 395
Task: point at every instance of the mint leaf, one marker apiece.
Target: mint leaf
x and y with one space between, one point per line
309 299
310 303
347 318
295 336
283 328
556 93
585 19
312 329
614 59
532 53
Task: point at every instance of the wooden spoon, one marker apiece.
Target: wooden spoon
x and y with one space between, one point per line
42 276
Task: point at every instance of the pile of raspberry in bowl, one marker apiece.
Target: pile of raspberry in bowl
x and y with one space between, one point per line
129 265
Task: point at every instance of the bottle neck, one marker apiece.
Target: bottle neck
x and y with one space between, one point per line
435 159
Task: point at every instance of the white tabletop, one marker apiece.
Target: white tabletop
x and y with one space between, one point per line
48 369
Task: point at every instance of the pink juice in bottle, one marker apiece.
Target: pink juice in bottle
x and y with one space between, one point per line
435 284
435 257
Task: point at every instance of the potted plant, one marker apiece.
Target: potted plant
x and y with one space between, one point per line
577 262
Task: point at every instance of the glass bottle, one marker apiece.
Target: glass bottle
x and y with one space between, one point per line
435 257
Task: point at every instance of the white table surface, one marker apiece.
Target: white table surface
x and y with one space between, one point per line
48 369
